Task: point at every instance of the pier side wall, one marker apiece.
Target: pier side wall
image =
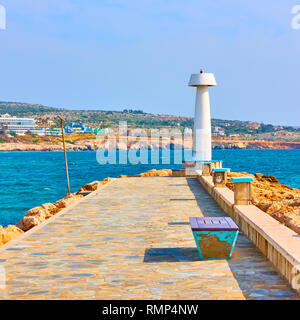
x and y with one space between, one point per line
278 243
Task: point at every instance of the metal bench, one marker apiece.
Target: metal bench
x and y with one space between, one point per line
215 237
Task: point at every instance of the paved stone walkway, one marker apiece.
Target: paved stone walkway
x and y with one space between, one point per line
131 240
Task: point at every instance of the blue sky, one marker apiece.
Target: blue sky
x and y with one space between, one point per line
139 54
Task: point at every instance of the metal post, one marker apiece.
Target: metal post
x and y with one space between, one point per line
65 152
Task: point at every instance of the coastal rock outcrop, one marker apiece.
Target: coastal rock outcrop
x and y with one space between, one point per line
95 185
157 173
278 200
291 219
151 173
82 142
36 216
9 233
67 201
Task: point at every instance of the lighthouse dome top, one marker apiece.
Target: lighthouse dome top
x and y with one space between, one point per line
202 79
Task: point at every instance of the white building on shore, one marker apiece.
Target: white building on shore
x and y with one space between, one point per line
18 126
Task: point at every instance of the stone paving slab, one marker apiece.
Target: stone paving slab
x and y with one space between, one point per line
132 240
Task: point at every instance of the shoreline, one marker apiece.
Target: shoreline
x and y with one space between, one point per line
96 149
136 143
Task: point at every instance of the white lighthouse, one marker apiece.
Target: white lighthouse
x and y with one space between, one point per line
202 122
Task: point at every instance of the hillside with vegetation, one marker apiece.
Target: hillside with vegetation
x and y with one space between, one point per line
138 119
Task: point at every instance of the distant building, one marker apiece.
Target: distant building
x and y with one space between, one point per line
278 128
254 126
53 131
18 126
76 128
218 131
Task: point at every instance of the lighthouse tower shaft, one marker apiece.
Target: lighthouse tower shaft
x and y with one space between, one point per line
202 126
202 122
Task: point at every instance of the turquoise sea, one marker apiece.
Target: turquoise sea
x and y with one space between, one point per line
29 179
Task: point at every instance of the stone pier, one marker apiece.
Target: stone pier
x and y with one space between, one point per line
132 240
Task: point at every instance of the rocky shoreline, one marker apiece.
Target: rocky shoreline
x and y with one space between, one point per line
278 200
93 145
